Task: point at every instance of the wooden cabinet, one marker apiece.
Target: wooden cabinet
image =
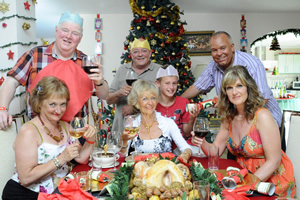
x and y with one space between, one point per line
289 63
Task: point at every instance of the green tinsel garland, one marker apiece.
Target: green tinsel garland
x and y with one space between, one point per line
20 94
21 43
5 70
23 17
273 34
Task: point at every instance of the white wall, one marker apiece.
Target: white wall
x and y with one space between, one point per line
116 26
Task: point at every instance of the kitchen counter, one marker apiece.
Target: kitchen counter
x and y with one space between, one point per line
289 104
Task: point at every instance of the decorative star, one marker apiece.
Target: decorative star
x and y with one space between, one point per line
27 5
34 1
10 55
4 7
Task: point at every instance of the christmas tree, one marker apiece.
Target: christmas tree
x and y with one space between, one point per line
159 22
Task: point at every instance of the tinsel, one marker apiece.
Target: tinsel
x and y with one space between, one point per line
23 17
21 43
273 34
5 70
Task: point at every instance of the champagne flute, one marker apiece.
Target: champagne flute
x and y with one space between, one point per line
201 128
115 144
131 125
77 128
131 76
90 62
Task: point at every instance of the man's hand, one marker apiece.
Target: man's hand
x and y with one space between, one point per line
127 110
5 119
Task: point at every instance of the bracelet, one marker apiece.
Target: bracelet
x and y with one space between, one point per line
56 162
102 82
90 142
3 108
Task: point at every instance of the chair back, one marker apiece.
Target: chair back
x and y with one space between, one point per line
7 154
292 148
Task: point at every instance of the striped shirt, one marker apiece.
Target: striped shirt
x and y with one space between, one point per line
213 74
33 61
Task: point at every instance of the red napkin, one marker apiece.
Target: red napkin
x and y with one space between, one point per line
69 190
238 193
76 79
144 157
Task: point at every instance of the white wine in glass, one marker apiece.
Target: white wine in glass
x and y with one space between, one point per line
131 125
77 128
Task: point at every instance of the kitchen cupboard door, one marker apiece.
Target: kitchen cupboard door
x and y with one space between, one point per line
297 63
282 65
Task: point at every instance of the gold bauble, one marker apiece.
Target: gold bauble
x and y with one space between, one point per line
185 45
179 24
131 28
172 23
154 60
143 7
157 21
26 26
161 58
177 64
173 53
154 6
186 67
156 52
138 27
153 55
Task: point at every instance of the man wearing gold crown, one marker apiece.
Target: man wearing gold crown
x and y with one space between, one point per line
51 60
142 68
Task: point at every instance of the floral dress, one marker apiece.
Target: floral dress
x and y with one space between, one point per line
250 155
46 152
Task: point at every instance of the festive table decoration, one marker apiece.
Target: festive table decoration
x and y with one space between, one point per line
26 26
45 42
4 7
34 1
1 80
27 5
10 55
4 25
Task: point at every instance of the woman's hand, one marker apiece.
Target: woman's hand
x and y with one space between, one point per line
185 156
70 152
196 140
90 133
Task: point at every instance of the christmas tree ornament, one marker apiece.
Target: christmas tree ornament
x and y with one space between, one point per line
172 23
156 52
157 21
153 42
182 60
10 55
148 23
34 1
131 28
4 7
153 55
161 58
26 26
177 64
154 7
162 44
163 17
173 53
154 60
179 24
4 25
275 45
27 5
143 7
138 27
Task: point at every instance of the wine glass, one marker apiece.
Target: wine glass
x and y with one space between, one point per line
77 128
114 143
90 62
201 128
131 125
131 76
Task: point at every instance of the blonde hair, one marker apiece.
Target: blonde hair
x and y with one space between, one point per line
140 86
254 101
45 88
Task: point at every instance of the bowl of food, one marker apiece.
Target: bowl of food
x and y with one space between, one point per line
100 158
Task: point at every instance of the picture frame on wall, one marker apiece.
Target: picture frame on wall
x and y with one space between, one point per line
98 24
198 42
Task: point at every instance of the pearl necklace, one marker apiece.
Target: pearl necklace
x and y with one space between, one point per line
47 131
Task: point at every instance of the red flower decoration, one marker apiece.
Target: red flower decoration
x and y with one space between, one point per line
27 5
10 55
4 25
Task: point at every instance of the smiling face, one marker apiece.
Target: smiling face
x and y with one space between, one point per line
147 102
140 57
68 35
222 50
237 93
53 108
168 85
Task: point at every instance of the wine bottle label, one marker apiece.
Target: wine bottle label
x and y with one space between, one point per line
265 188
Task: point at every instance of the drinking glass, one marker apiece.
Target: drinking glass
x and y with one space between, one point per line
77 128
114 143
90 62
201 190
131 76
201 128
131 125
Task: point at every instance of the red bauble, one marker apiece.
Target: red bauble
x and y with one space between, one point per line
4 25
151 35
125 47
108 129
184 74
103 135
129 56
106 120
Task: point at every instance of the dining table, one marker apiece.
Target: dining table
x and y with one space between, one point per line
223 164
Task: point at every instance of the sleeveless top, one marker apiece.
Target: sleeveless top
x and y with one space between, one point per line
250 155
46 152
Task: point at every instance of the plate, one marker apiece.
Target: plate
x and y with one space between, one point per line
108 166
249 179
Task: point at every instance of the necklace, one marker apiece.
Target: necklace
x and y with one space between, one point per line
47 131
148 127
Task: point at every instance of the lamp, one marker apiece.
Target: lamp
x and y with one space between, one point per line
275 45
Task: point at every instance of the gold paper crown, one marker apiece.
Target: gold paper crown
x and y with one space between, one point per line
140 44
